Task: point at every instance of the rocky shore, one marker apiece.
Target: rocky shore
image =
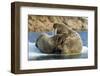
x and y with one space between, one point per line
37 23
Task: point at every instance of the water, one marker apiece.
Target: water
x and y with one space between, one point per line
35 54
84 37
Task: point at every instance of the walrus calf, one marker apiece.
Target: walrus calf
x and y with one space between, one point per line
45 44
65 41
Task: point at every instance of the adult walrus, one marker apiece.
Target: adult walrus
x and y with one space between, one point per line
70 42
66 41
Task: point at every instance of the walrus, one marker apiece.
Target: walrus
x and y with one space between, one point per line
70 41
69 45
65 41
45 44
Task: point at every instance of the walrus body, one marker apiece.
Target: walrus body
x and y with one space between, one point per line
45 44
69 44
71 41
66 41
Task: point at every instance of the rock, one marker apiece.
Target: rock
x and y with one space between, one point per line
37 23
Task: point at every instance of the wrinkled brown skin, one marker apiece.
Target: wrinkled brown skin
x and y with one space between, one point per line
71 41
66 41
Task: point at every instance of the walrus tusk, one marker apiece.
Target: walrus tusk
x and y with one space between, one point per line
55 31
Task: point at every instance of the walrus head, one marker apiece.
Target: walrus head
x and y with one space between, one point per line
61 28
